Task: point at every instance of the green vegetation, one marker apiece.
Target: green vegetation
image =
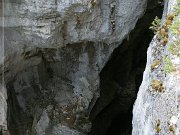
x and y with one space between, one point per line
168 67
174 48
175 27
171 24
155 25
177 7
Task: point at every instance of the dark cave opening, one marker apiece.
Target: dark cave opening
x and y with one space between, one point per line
119 83
121 77
18 121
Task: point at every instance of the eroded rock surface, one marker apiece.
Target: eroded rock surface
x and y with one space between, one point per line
156 110
53 54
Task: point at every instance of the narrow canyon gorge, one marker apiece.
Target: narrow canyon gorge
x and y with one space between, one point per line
90 67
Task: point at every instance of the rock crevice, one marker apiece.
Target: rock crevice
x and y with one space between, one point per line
69 64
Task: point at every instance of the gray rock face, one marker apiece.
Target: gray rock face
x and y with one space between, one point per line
156 110
53 53
121 77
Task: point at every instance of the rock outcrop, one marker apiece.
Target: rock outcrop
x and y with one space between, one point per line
52 54
156 110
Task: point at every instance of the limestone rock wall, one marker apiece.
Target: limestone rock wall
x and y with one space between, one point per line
53 53
156 110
